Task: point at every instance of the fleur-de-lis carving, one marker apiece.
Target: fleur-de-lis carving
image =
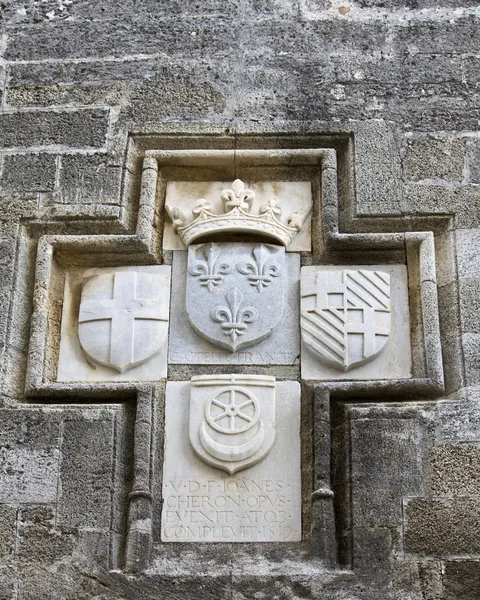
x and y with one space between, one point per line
271 209
201 206
210 272
238 196
234 318
260 272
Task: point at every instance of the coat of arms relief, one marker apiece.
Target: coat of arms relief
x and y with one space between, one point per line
236 296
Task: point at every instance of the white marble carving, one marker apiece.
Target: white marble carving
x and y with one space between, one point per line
232 419
115 324
355 322
281 347
205 503
345 316
235 292
201 218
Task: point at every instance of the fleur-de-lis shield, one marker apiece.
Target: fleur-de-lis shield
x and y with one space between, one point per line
235 292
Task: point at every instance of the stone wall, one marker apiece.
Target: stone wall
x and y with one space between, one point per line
88 89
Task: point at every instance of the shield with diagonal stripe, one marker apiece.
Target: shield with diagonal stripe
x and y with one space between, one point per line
345 315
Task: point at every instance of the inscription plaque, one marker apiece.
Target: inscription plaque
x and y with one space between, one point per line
261 503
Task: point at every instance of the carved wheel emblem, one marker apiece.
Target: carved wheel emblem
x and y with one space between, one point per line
233 410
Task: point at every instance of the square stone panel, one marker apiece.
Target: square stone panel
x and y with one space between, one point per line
281 347
373 340
115 324
294 196
203 503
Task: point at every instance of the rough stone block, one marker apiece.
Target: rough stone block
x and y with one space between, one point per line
377 169
469 295
459 421
372 549
430 574
86 473
470 345
442 527
386 466
38 539
35 172
150 34
455 470
8 520
73 129
455 36
435 159
462 580
89 180
467 246
473 162
29 456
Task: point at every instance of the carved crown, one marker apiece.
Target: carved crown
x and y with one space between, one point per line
236 217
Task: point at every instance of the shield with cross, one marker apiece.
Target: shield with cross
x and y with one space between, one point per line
345 315
123 317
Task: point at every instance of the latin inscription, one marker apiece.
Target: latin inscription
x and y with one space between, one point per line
254 358
230 509
203 502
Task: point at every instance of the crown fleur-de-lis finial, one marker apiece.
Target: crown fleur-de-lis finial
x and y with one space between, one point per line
237 217
238 196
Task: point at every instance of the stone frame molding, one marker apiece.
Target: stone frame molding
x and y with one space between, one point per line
338 233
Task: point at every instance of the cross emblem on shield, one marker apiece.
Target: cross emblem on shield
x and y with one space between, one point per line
123 318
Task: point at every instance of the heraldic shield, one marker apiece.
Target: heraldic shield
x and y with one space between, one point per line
232 419
123 317
345 316
235 292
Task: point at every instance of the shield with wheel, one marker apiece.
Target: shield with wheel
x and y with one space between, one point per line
232 419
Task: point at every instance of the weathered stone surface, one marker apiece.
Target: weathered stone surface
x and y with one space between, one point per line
28 173
8 523
442 527
89 180
280 347
86 473
473 163
379 447
39 541
203 503
29 457
462 579
435 159
77 129
455 470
